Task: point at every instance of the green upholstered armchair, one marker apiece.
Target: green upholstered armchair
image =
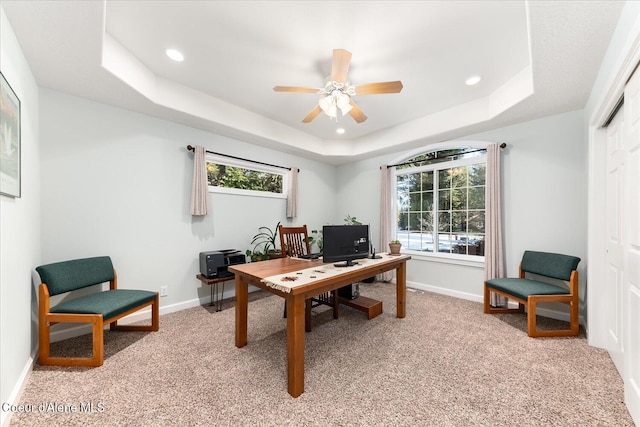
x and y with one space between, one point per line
528 291
98 309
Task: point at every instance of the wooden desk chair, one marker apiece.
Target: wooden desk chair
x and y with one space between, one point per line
294 241
528 290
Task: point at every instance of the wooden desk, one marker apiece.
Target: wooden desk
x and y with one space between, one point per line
254 272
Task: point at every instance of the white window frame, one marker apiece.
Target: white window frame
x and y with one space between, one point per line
448 258
227 161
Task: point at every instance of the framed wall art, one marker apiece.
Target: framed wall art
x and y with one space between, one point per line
9 140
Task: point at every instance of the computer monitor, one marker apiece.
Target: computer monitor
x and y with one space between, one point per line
345 243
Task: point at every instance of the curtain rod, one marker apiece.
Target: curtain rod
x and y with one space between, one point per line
503 145
192 148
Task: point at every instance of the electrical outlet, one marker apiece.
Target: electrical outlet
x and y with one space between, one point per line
164 291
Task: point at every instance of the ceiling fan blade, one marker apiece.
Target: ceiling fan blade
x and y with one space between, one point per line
375 88
312 115
357 113
340 65
295 89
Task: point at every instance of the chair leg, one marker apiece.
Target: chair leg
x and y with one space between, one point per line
531 319
487 299
98 343
155 318
574 325
44 327
307 314
44 341
308 305
155 314
574 319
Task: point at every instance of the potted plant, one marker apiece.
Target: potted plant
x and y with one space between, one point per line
316 239
256 256
265 244
394 247
351 220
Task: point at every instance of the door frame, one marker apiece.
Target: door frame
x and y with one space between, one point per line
596 324
596 181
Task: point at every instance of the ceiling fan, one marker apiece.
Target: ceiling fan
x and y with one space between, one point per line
338 91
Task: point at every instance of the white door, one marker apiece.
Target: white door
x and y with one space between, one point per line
631 247
614 220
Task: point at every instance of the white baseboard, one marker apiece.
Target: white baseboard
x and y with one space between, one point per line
71 332
445 291
541 311
74 331
142 315
14 397
138 316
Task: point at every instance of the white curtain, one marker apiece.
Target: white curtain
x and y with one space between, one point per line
493 254
292 194
386 174
199 188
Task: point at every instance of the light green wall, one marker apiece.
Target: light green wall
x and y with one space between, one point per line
119 184
19 229
544 198
100 191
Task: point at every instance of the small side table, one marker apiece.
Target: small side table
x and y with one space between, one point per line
215 300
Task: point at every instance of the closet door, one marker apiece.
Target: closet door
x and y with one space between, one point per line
631 246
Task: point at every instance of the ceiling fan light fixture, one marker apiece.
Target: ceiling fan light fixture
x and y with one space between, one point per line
344 103
328 105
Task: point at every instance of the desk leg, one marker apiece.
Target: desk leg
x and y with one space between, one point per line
242 303
401 290
295 345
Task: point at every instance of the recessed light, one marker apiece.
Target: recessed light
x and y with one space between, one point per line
174 54
472 80
340 131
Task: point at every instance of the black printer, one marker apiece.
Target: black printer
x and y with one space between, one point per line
214 264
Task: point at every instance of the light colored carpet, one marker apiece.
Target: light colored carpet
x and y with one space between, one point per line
445 364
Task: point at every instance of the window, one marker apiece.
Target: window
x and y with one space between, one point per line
440 202
226 175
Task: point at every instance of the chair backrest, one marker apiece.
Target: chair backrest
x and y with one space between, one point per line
549 264
294 241
67 276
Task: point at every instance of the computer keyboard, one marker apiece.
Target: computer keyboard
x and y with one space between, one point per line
311 256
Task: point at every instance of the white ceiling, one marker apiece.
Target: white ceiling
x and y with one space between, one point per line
536 58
